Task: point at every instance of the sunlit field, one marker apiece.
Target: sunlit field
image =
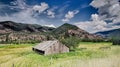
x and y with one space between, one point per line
88 54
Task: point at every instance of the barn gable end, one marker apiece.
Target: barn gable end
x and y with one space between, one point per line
50 47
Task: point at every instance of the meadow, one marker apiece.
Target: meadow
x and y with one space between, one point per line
88 54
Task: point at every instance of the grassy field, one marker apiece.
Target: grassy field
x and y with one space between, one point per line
88 54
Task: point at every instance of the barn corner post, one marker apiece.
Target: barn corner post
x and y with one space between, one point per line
51 60
13 65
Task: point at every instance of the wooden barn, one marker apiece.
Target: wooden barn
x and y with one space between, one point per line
50 47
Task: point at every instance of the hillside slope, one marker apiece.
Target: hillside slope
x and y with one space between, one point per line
10 26
67 30
19 32
110 34
11 32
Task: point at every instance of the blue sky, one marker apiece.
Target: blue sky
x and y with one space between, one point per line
83 13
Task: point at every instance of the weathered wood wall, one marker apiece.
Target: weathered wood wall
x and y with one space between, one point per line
56 48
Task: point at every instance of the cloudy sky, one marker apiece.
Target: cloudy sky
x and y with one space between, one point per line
90 15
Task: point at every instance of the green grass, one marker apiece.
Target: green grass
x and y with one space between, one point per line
23 56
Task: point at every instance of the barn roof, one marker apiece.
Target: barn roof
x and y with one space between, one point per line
44 45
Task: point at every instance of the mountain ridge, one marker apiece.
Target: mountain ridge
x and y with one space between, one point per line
18 32
72 30
10 26
115 33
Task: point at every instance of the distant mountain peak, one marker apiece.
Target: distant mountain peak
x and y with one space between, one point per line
7 22
114 33
68 26
72 30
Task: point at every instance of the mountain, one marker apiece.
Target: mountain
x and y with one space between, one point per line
67 30
11 32
19 32
10 26
115 33
64 28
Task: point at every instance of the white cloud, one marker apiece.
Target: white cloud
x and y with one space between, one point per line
95 25
61 11
108 9
23 16
98 3
21 4
70 15
41 8
26 15
92 26
51 25
50 14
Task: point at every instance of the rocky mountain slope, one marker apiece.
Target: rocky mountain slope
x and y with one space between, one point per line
72 30
9 26
19 32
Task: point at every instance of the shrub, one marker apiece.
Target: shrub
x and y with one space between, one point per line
116 42
71 42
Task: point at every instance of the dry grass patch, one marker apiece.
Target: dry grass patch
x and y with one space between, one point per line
92 56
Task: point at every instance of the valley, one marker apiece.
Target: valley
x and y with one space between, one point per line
88 54
86 49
